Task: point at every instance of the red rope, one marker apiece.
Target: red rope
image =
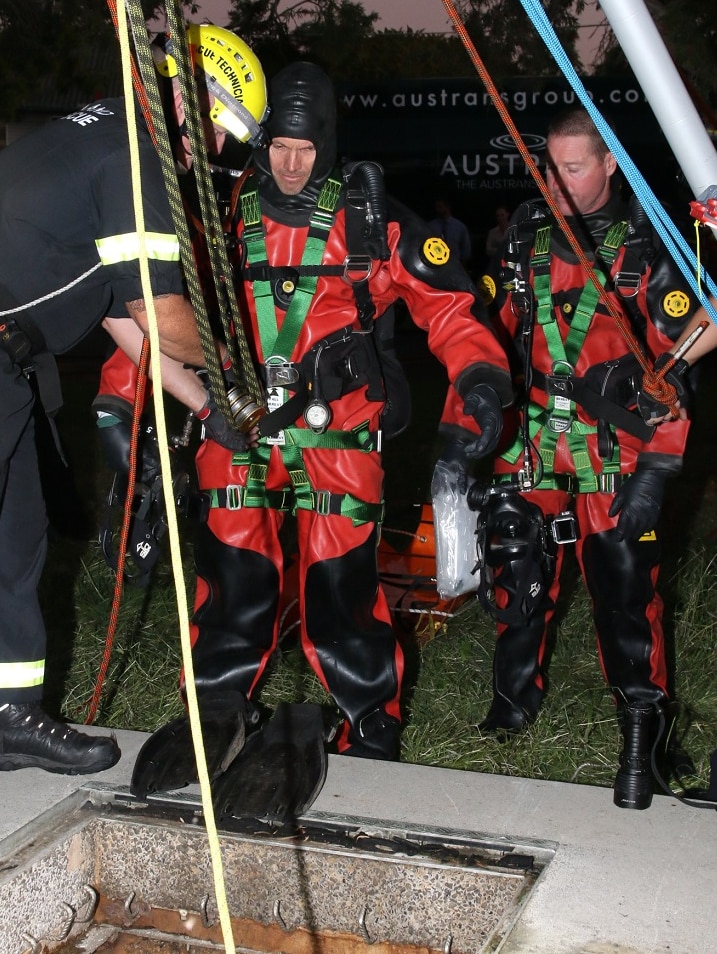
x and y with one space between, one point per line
139 394
140 388
137 83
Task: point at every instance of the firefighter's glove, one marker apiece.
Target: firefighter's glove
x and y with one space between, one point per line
639 502
115 432
650 405
483 405
215 427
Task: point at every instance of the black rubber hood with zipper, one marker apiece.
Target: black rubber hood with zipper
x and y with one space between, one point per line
303 106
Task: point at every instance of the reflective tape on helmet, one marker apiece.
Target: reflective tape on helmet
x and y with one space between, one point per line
676 304
125 248
22 675
435 251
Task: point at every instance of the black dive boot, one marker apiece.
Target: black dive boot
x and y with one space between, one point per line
378 736
504 719
634 780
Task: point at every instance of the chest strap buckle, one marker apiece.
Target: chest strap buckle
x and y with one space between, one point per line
627 284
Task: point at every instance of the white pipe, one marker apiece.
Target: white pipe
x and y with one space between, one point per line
662 85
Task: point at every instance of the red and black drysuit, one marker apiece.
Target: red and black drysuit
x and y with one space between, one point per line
313 349
333 481
585 449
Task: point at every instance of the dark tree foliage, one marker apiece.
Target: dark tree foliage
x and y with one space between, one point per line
410 54
330 32
508 43
342 36
689 31
56 51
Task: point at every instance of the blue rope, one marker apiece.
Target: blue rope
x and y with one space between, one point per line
673 240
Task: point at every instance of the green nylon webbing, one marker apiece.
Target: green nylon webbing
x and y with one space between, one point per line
586 478
304 497
281 342
564 356
612 242
275 342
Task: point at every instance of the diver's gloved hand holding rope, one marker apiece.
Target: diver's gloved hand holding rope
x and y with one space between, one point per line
655 400
217 428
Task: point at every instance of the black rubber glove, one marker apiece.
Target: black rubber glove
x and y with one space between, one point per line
483 404
639 502
457 461
115 432
651 408
217 428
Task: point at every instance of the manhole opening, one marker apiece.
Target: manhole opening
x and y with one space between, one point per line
112 875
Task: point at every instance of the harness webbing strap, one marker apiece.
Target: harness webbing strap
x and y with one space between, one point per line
360 438
301 495
280 343
559 415
235 497
275 341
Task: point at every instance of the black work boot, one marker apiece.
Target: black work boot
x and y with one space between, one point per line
29 738
634 780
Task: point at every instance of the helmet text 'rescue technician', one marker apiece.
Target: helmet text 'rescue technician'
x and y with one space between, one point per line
232 74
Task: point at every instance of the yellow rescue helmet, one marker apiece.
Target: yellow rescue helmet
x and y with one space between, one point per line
232 73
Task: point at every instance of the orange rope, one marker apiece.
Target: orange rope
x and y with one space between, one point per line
618 317
139 393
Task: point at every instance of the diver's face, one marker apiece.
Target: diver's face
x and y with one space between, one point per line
578 178
291 162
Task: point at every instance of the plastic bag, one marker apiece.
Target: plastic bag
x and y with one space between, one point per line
455 532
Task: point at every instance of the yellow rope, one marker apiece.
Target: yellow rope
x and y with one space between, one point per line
182 605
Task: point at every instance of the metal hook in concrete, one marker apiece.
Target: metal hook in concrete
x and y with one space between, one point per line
66 926
92 905
278 917
128 904
362 926
448 945
207 922
35 945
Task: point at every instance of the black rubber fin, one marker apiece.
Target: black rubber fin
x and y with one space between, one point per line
166 761
280 771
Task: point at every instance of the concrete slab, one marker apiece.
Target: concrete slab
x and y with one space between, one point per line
620 882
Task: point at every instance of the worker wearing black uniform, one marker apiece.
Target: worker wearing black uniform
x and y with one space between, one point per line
70 261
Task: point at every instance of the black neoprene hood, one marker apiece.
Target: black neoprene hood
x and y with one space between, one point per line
303 106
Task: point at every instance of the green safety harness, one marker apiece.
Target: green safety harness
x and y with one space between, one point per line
559 416
278 345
